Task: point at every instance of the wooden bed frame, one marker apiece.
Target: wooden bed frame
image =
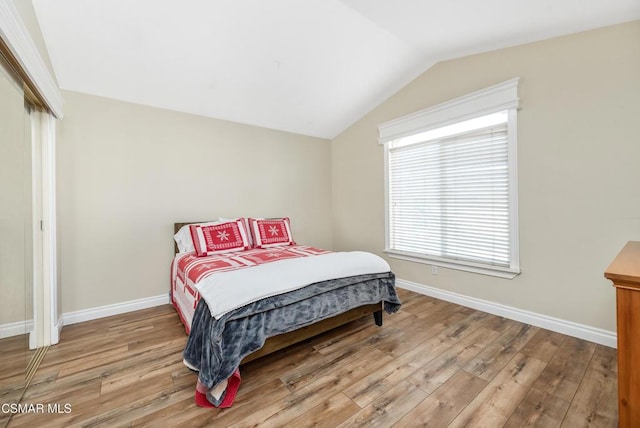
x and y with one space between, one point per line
284 340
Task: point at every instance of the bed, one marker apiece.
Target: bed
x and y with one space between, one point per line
223 337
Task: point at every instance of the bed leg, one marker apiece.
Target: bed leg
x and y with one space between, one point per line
377 317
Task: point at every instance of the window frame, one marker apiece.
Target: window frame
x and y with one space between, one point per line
500 97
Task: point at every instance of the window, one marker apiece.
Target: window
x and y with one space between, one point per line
451 183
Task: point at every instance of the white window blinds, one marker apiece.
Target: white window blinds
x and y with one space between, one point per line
449 197
451 183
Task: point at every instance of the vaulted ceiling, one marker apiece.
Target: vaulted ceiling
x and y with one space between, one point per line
311 67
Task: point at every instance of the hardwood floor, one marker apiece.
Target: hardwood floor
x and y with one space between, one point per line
13 365
432 364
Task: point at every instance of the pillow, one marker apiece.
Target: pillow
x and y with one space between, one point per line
272 232
246 227
223 237
183 237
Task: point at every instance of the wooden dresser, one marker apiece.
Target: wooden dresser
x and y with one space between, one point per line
624 271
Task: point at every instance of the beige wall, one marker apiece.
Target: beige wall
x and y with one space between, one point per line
579 174
127 172
29 17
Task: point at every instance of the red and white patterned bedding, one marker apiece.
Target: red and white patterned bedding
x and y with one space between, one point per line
187 270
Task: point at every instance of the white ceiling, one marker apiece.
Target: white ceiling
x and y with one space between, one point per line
311 67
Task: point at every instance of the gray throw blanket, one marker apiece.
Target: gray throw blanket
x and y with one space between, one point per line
216 347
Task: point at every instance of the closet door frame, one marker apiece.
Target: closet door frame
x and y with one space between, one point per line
52 321
47 327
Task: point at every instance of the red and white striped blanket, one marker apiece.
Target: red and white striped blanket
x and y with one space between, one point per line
194 269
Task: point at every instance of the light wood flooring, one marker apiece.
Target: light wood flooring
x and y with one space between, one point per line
431 364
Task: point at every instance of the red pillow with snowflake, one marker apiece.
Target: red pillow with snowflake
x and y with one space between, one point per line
274 232
219 238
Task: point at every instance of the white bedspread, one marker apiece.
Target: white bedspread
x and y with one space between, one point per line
226 291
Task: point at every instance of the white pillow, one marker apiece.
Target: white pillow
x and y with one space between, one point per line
183 237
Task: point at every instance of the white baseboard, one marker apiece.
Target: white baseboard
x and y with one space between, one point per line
115 309
15 328
581 331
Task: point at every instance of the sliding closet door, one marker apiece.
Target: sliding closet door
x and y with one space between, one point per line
16 246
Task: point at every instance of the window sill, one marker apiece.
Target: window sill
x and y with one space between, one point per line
497 271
